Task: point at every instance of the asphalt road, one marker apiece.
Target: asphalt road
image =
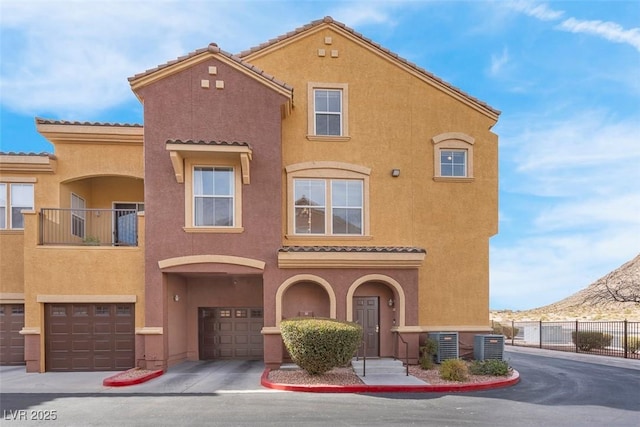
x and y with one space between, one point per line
552 392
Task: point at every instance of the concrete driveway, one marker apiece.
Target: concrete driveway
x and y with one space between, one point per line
187 377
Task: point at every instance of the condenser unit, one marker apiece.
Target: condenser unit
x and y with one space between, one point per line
447 345
488 347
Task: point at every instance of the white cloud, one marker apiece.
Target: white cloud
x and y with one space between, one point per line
67 57
539 11
498 62
607 30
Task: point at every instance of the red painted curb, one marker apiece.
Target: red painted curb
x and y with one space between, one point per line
113 381
364 388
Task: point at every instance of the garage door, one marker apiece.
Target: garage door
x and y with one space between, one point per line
11 342
89 337
231 333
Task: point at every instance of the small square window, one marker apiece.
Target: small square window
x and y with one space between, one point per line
256 313
453 163
17 310
123 310
58 311
102 310
241 313
224 313
80 310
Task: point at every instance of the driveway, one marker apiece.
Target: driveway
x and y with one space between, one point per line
554 390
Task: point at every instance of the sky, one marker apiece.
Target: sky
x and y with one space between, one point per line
564 74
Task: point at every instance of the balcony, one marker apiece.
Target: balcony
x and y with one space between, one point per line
88 227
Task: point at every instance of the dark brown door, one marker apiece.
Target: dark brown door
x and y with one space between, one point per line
89 337
11 342
230 333
367 315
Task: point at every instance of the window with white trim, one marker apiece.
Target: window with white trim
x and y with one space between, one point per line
78 215
13 199
328 206
453 163
328 111
213 196
453 156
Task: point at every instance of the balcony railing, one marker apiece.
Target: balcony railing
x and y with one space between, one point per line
88 227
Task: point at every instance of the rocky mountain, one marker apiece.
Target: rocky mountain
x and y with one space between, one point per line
595 302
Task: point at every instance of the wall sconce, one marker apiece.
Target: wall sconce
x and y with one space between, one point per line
395 173
390 302
176 297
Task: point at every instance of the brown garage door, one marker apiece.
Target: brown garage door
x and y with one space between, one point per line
231 333
11 342
89 337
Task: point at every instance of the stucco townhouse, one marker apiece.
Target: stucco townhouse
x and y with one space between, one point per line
316 175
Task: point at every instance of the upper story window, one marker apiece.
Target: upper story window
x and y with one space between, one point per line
78 215
453 163
328 111
213 197
327 199
328 206
453 156
14 197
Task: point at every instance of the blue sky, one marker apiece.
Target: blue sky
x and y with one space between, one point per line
565 74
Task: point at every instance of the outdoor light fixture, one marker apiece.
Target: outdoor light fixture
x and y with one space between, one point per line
390 302
395 173
176 297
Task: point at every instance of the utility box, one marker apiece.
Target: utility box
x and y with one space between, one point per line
447 345
488 347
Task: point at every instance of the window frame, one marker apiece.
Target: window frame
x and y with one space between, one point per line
8 220
328 172
343 89
82 218
454 142
190 221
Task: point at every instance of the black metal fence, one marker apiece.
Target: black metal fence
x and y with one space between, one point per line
88 227
611 338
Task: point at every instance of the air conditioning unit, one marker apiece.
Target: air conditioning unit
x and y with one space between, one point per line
447 345
488 347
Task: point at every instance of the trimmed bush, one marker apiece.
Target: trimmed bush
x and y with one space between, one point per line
498 368
633 343
591 340
427 353
505 330
454 370
319 345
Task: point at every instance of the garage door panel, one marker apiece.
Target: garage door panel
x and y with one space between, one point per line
11 342
96 337
230 333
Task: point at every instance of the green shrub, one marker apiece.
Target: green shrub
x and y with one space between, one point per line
427 353
507 331
633 343
454 370
498 368
591 340
319 345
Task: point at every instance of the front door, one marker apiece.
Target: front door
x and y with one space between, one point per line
367 315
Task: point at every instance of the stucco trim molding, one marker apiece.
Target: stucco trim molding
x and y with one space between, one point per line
28 163
393 283
11 298
304 278
211 259
349 260
150 330
33 330
86 298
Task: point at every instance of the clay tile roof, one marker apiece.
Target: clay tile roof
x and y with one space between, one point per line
42 121
21 153
330 20
213 48
192 142
363 249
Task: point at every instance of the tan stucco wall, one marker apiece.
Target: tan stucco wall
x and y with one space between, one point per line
393 116
11 262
